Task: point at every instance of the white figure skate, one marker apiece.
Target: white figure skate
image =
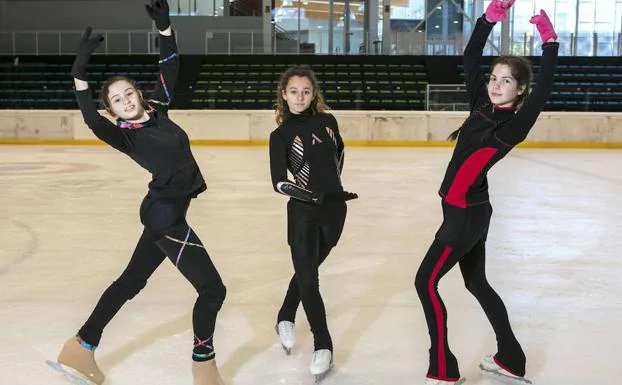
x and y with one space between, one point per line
285 330
321 364
489 366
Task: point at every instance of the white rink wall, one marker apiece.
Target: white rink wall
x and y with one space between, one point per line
380 128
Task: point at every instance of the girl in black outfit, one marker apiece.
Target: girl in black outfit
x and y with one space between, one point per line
308 144
146 134
502 113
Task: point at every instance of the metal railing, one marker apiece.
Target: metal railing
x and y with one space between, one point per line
453 97
523 44
55 42
250 42
403 43
446 97
231 42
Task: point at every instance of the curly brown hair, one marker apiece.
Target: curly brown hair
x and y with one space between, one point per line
317 104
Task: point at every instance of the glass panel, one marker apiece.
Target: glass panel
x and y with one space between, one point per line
243 7
217 43
307 22
199 7
408 27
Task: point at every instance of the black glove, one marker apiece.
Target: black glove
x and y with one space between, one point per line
158 11
87 46
335 197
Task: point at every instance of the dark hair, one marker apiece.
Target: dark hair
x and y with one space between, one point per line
105 92
521 71
317 104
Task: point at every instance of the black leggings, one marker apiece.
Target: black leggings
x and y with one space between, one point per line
166 233
311 233
461 239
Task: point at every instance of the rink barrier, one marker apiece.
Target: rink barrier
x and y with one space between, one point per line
358 128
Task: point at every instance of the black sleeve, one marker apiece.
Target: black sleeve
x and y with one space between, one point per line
472 60
528 113
104 129
278 171
162 94
340 146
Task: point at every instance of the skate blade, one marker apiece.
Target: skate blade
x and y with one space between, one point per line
506 378
320 377
461 381
69 375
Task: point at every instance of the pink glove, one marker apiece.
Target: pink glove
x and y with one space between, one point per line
544 26
498 10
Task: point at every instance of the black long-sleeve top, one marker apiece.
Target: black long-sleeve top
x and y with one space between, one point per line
158 145
311 148
490 132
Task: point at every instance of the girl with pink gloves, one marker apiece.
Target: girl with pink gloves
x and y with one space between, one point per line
503 110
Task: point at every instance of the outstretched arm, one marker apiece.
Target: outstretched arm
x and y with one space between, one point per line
101 127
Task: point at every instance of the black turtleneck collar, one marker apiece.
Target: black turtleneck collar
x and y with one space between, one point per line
304 114
503 111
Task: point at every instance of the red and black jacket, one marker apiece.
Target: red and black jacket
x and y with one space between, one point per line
490 132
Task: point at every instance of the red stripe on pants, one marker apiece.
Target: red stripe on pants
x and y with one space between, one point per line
438 311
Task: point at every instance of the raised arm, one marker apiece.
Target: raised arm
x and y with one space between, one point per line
533 106
103 128
472 59
162 94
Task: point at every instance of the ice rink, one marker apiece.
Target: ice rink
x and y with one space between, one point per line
69 218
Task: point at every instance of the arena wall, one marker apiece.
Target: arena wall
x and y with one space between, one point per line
363 128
